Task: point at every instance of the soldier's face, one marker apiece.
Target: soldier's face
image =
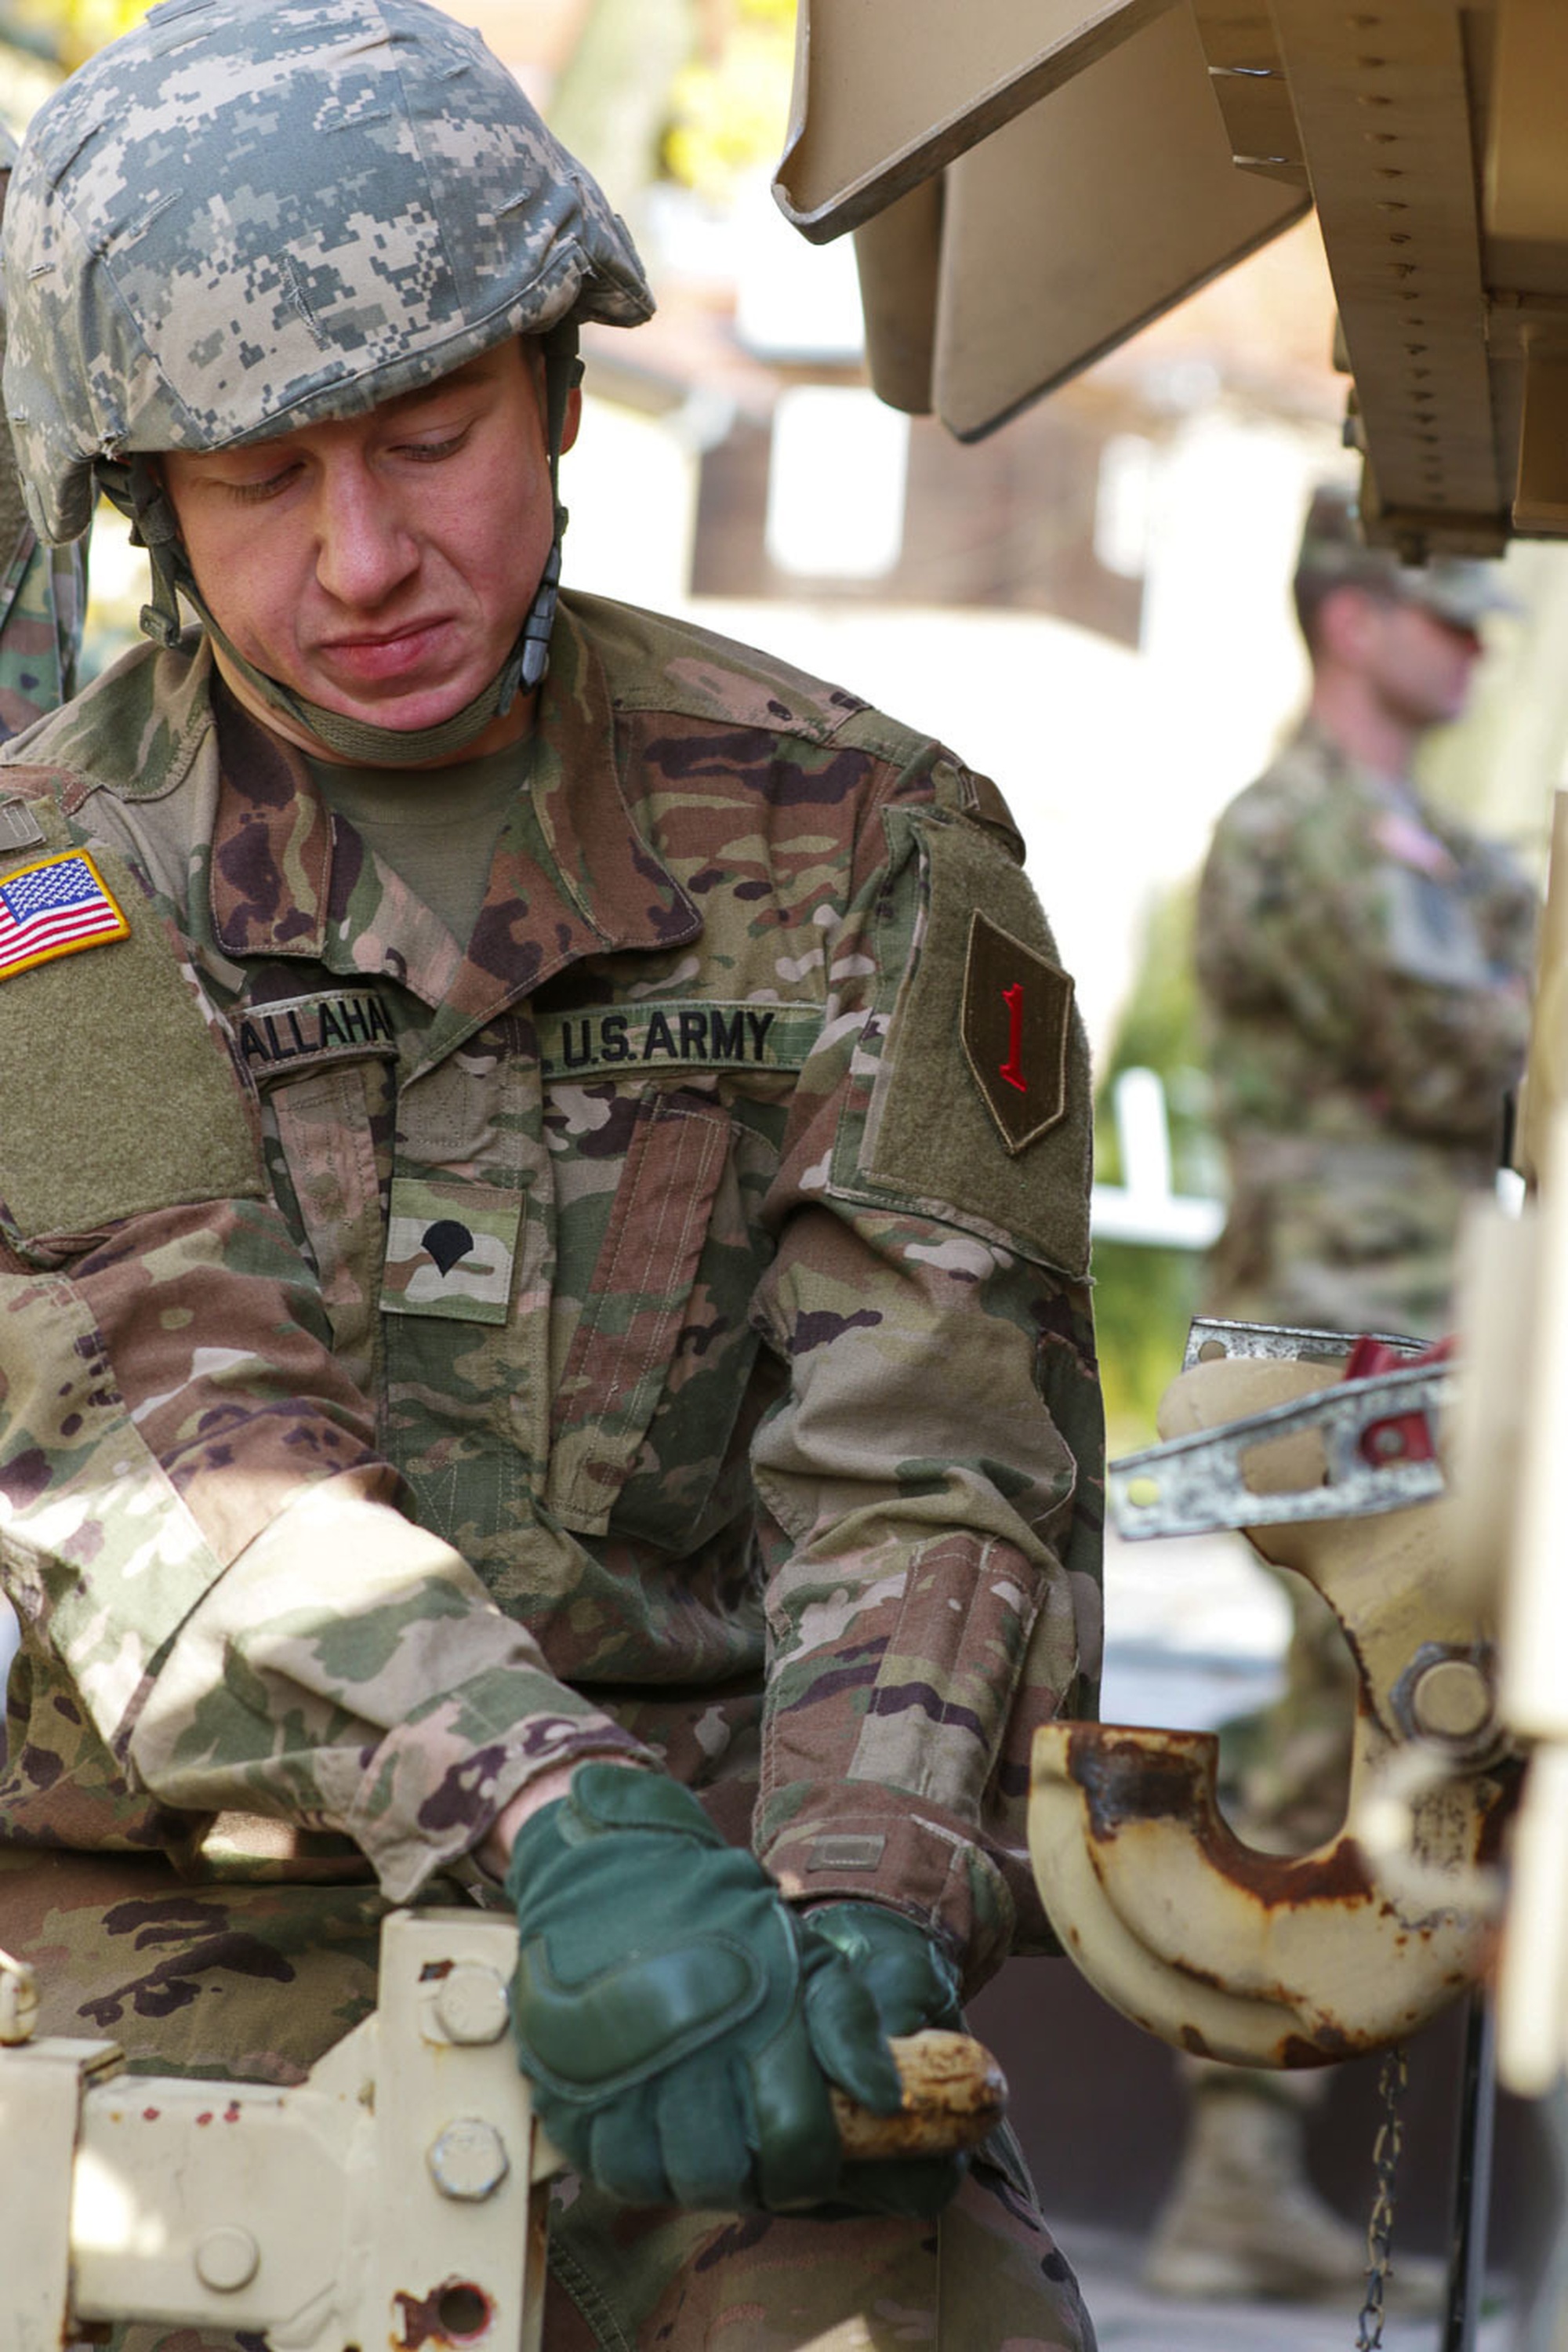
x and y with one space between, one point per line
1422 665
381 565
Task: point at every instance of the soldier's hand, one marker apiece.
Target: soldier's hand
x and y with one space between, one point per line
914 1985
909 1977
679 2023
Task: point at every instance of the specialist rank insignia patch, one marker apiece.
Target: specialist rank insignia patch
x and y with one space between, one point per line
1016 1018
450 1250
54 909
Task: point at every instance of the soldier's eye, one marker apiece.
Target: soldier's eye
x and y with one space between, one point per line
430 453
251 493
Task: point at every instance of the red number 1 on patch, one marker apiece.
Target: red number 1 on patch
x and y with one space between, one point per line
1012 1069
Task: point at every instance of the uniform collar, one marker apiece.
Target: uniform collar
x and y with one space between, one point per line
1331 755
571 877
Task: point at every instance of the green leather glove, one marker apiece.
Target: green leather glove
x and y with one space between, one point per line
679 2023
914 1985
910 1978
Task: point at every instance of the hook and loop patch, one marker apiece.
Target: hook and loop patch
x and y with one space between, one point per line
55 907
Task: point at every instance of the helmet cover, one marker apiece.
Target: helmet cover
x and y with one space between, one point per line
1461 589
246 215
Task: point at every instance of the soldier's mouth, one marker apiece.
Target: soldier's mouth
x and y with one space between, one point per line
386 655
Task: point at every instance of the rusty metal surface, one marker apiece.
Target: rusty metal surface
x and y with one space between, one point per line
391 2199
954 2095
1210 1336
1291 1961
1260 1959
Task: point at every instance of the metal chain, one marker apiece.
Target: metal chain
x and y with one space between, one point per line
1391 2082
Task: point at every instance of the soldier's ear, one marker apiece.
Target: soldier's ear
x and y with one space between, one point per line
1346 619
574 417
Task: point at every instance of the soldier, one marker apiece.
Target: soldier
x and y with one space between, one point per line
545 1341
1364 961
43 590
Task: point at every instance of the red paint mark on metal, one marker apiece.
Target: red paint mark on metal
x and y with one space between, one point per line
1403 1437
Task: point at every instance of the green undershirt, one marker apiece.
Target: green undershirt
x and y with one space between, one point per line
436 827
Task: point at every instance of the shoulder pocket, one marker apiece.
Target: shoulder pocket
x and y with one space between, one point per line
970 1101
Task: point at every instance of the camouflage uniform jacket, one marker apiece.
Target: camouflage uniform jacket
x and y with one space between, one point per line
1365 962
661 1329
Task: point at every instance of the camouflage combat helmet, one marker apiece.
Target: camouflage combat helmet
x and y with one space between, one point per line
1461 589
248 216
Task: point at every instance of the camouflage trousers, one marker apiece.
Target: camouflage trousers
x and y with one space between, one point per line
254 1982
1343 1236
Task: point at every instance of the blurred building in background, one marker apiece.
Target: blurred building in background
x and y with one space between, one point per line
1091 604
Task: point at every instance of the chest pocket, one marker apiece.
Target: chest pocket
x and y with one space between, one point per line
622 1352
324 1132
1432 933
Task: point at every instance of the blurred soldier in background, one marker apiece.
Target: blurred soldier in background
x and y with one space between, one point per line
1364 961
43 590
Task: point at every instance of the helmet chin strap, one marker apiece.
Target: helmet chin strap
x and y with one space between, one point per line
357 739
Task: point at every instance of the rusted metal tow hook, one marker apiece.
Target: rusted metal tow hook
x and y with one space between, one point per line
1260 1958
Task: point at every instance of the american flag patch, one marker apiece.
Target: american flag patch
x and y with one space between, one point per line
52 910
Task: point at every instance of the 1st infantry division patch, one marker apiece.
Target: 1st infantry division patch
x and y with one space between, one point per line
54 909
1015 1025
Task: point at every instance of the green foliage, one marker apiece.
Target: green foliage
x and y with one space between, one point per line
729 109
66 32
1143 1301
1145 1298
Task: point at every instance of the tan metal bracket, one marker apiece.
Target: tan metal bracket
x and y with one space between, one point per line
395 2198
390 2199
886 93
1359 1447
1296 1960
1247 74
1023 192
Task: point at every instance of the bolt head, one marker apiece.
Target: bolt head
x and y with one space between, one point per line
227 2259
472 2003
1452 1700
467 2160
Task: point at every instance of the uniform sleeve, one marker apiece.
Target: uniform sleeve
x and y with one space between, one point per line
930 1479
194 1522
1396 956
